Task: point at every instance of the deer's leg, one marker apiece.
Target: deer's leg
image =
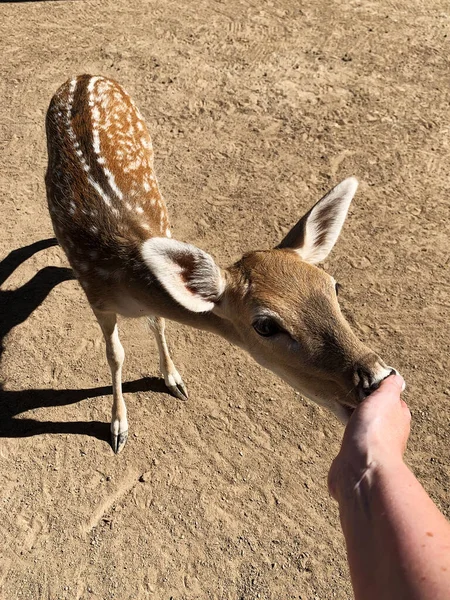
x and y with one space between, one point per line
171 376
115 355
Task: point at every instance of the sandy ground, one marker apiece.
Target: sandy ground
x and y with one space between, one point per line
256 109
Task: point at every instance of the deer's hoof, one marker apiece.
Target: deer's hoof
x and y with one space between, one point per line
178 390
118 441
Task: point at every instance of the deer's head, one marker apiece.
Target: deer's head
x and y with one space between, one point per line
281 307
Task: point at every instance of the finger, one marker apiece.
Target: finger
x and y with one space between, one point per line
387 395
396 381
390 388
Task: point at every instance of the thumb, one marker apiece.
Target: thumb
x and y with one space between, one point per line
390 387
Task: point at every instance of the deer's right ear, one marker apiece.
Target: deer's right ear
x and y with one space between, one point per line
315 234
187 273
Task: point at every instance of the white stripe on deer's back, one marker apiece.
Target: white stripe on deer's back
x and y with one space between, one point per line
100 191
112 183
92 82
72 136
95 114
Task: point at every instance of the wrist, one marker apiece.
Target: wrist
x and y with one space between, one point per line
356 480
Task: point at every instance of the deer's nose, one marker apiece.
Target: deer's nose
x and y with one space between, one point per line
369 381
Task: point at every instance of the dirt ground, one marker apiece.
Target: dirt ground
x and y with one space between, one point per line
256 109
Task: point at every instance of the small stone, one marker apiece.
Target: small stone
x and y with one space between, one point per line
144 477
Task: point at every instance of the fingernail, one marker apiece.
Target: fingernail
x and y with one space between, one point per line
399 381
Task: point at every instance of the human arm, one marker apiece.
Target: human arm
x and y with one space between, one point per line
398 543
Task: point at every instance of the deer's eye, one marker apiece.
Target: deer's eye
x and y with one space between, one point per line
266 327
337 287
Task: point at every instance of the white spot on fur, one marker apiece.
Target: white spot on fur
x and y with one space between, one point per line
139 210
96 140
92 82
95 114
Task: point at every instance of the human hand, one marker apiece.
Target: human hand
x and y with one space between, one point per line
376 434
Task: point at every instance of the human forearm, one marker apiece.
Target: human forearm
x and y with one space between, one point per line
398 543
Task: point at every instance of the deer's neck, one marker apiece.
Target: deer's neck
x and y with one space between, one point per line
159 303
210 322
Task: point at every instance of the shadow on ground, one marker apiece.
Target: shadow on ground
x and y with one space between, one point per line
15 307
13 403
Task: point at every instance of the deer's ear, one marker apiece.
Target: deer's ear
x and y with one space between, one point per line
315 234
187 273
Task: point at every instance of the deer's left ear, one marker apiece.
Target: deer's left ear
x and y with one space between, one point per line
187 273
315 234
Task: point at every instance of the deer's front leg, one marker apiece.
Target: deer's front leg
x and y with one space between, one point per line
115 355
171 376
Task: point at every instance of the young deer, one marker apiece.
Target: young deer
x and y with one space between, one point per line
111 220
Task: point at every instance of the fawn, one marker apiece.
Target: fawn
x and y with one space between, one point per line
111 220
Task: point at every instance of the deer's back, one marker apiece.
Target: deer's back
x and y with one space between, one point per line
100 177
102 192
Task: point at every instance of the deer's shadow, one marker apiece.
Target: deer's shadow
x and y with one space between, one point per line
15 307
